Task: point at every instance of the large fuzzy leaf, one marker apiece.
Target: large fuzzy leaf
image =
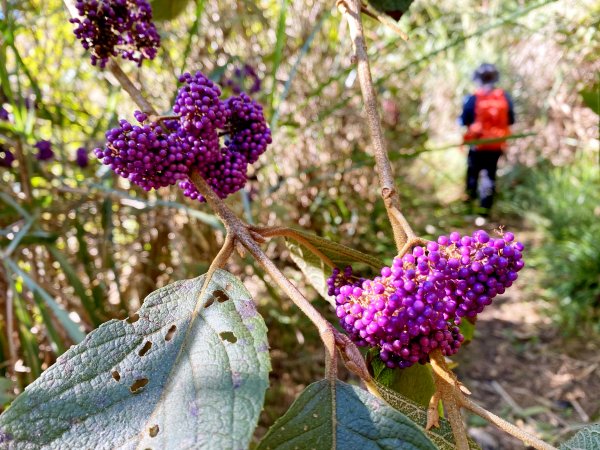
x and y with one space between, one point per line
340 416
586 439
188 372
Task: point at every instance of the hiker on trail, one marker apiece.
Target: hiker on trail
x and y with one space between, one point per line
487 113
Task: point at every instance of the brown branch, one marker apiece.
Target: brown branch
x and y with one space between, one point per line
385 20
444 385
242 235
135 94
506 426
351 10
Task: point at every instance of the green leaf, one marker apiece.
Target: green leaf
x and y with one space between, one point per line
186 372
313 268
467 329
339 254
442 436
340 416
415 382
167 9
75 281
393 8
591 97
6 387
586 439
277 54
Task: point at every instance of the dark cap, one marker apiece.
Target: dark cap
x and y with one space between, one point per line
486 74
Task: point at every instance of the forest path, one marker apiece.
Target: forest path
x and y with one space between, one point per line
520 367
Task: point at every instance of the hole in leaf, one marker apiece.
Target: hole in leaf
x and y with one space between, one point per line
153 431
116 375
145 348
209 302
170 333
228 286
134 318
228 336
138 384
221 295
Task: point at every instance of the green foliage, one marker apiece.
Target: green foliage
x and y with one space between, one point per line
563 203
6 387
586 439
187 369
167 9
415 383
591 97
338 415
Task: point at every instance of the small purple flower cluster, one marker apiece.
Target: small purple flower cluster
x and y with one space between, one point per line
112 27
45 152
162 153
3 114
81 157
6 157
240 74
416 305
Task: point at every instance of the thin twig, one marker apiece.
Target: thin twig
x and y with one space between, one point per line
385 20
506 426
219 262
10 322
23 170
351 10
131 89
242 235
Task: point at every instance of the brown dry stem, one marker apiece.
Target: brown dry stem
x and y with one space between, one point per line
385 20
400 227
243 236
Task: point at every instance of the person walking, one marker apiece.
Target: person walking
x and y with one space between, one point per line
487 114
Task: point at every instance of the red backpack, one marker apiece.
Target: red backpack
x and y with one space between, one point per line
491 119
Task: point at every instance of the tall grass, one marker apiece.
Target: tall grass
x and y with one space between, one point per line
564 203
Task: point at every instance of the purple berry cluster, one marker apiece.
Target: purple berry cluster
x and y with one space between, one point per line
249 134
416 305
240 75
202 114
162 153
45 152
112 27
148 155
81 157
6 157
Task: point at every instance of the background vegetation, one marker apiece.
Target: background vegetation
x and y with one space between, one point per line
80 246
